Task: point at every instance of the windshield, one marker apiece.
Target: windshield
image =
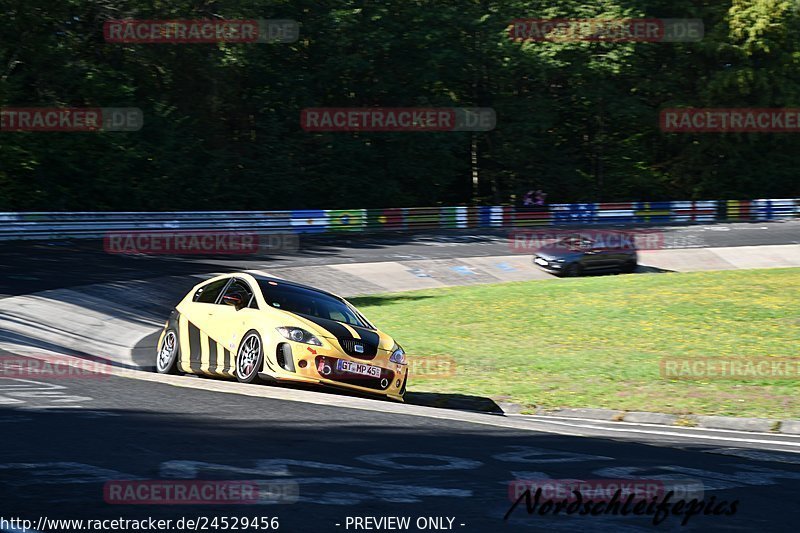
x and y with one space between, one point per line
575 243
309 302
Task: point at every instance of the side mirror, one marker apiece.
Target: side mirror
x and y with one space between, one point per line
234 300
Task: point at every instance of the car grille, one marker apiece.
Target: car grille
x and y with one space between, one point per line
349 347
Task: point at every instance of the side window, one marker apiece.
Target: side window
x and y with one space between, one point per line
240 290
207 294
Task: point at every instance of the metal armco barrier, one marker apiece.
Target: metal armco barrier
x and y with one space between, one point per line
762 209
56 225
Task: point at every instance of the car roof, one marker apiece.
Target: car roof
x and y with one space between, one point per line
254 276
262 277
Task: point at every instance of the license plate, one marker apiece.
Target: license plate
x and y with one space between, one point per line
540 261
359 368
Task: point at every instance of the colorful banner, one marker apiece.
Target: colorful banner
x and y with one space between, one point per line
309 221
422 217
653 212
388 219
574 213
346 219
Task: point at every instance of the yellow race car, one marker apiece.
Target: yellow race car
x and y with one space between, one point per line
258 328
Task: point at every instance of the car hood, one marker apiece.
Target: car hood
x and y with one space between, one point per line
333 329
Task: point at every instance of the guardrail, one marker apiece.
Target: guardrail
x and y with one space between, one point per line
761 209
58 225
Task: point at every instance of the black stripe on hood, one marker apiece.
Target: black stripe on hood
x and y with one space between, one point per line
368 336
333 327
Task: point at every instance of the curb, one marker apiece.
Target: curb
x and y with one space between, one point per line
790 427
607 415
755 425
762 425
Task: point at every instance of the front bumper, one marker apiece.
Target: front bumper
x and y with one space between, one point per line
317 364
548 265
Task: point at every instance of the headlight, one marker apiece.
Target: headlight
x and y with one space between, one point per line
398 355
299 335
558 260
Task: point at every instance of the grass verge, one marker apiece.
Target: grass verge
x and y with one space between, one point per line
600 341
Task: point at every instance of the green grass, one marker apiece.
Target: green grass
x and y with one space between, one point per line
598 342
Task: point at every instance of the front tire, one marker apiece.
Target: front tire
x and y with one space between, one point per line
250 358
167 356
573 270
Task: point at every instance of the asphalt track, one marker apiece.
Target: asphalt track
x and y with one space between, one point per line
61 445
340 457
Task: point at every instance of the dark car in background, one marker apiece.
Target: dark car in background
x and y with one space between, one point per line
576 255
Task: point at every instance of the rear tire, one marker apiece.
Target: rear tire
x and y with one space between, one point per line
250 358
167 355
629 267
